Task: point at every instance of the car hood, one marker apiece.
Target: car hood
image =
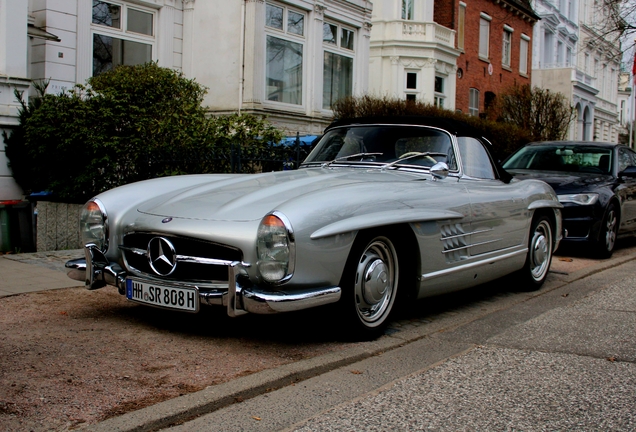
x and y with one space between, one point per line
251 196
564 182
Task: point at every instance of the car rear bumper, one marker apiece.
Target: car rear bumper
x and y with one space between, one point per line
96 271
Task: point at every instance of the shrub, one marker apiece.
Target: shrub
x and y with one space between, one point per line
128 124
545 114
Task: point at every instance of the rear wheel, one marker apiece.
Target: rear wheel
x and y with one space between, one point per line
609 230
539 257
369 286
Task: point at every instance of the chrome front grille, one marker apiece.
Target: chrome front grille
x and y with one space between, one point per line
200 269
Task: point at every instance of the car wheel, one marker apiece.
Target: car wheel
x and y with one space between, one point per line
609 230
539 256
370 286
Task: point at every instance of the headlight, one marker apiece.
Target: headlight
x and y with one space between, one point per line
275 248
94 225
582 199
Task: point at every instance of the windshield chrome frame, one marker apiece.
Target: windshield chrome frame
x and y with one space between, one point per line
458 172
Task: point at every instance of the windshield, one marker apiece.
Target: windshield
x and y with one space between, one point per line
567 158
382 145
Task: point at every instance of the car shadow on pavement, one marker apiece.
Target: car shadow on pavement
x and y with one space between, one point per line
318 325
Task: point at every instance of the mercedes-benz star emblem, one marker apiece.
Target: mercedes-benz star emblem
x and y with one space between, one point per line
161 256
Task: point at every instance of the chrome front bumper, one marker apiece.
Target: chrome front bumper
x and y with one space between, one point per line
96 271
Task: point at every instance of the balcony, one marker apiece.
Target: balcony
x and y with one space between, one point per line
403 31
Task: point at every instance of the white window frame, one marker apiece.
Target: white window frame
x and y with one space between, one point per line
484 36
506 46
524 47
285 35
337 49
122 33
413 92
408 10
473 96
439 98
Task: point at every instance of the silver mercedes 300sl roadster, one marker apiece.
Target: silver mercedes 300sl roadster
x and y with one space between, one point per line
380 212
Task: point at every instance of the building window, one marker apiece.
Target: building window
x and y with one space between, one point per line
122 35
568 57
411 80
506 46
285 29
439 92
407 9
473 102
484 36
338 43
548 49
523 54
411 97
461 23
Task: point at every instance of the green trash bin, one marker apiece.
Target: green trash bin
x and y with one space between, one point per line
16 226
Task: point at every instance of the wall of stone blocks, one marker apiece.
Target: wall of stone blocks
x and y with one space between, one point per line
57 226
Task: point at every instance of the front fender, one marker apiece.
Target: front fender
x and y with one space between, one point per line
382 218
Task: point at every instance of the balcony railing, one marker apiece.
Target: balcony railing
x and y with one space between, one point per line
412 31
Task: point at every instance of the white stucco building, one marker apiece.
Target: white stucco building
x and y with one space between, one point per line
412 57
287 59
572 57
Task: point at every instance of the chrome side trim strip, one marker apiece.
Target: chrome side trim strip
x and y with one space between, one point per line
464 234
469 246
439 273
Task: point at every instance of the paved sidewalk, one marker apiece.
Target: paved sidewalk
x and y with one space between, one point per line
26 273
40 271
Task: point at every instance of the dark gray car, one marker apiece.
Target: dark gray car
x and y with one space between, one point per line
595 182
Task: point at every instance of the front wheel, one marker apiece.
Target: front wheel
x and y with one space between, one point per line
609 231
370 285
539 257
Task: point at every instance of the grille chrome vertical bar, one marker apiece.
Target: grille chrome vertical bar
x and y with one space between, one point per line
234 308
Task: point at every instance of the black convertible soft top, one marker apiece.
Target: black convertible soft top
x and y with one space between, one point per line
453 126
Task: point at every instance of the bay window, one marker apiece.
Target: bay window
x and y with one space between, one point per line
122 35
338 43
285 30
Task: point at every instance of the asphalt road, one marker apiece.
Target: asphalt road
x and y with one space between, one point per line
489 358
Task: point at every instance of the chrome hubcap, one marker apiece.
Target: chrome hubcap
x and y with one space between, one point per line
540 250
376 280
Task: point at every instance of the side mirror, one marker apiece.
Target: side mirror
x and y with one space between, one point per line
439 170
630 171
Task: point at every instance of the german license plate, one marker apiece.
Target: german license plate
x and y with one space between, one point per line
165 296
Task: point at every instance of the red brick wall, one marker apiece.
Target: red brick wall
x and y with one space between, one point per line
475 71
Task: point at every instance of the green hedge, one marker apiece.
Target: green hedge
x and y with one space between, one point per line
129 124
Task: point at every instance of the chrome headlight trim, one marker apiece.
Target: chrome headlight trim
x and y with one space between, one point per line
290 244
580 199
100 243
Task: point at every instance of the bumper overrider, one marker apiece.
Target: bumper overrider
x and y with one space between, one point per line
96 271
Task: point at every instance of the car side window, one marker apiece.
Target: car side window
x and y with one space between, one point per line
625 158
475 158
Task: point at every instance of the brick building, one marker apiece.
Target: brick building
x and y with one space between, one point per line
494 38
